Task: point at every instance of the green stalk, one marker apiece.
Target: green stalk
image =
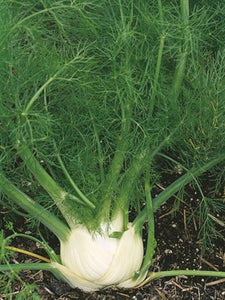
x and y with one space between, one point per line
110 184
126 103
26 111
184 180
161 274
151 242
178 78
122 143
132 173
137 164
50 10
160 10
185 169
78 191
23 266
181 63
36 95
35 209
31 266
156 77
158 62
46 181
51 253
99 149
176 186
185 12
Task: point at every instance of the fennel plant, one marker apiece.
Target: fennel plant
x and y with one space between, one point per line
93 95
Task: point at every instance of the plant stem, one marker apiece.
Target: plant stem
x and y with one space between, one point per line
160 10
178 78
48 10
176 186
182 60
51 253
15 249
126 99
78 191
46 181
184 180
36 95
185 12
35 209
99 149
158 65
161 274
151 242
24 266
41 175
110 184
26 111
136 167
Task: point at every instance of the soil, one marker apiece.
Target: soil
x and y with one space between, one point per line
178 247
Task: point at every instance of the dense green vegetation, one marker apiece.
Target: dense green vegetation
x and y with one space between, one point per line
105 97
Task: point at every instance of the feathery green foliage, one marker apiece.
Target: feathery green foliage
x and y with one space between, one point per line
92 92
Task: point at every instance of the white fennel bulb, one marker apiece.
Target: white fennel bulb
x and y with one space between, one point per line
93 261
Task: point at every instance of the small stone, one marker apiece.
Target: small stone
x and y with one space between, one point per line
168 251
